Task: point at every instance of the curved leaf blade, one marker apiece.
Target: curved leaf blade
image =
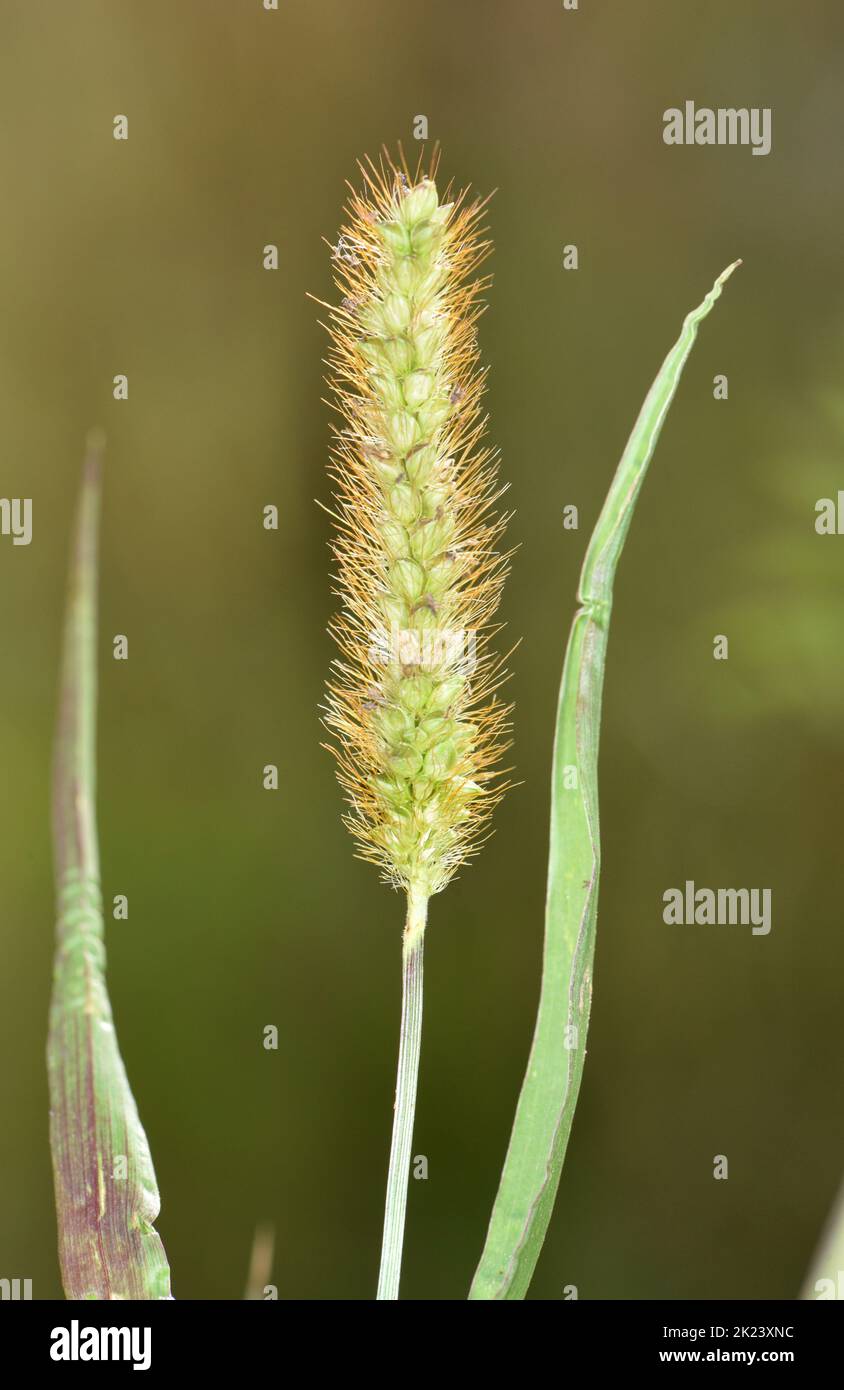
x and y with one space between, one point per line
106 1192
825 1278
545 1110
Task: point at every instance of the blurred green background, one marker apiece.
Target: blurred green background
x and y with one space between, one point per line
247 907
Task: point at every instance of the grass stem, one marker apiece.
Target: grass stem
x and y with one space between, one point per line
405 1107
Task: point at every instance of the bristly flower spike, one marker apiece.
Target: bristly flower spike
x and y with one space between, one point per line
413 702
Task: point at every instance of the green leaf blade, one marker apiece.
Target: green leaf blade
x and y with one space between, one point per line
825 1278
106 1192
545 1110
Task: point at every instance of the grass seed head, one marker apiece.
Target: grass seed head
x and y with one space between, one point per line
413 701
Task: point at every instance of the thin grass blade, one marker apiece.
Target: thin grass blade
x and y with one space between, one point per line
259 1278
545 1110
825 1279
106 1193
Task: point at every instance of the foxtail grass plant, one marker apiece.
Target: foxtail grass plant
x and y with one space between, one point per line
106 1192
413 703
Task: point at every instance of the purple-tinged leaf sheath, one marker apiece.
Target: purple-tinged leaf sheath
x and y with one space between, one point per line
106 1192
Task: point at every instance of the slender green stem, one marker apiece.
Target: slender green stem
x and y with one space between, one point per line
405 1108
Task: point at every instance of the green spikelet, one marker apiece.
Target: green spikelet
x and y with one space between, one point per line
413 701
